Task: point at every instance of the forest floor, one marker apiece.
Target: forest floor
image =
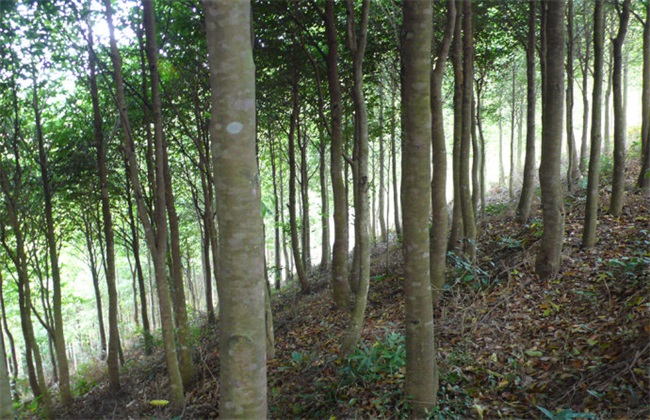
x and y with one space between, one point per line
508 345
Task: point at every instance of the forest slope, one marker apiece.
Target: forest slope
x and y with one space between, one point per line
507 344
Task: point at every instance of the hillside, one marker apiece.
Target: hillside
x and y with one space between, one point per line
508 345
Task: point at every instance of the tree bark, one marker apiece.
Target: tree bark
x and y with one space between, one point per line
237 187
644 176
573 173
340 284
421 382
528 186
618 181
295 242
547 263
438 238
156 233
6 405
357 45
50 236
469 221
593 181
456 232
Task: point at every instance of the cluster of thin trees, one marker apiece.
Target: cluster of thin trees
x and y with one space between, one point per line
159 132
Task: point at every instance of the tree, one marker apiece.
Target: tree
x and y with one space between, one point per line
438 238
644 176
6 405
526 196
232 129
547 263
107 224
340 284
360 280
421 371
618 182
156 229
593 180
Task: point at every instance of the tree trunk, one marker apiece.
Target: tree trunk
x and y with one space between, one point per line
357 45
304 198
421 382
456 232
547 263
276 216
113 331
528 186
644 176
326 254
295 242
593 181
241 293
50 236
585 59
6 405
573 173
438 239
511 177
156 233
607 141
340 285
393 156
476 158
618 182
383 232
469 222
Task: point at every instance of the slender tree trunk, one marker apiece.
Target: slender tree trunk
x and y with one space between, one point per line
383 233
585 59
511 191
304 198
528 185
113 332
607 141
457 231
340 284
326 254
479 124
421 381
276 216
241 297
357 45
644 176
393 155
13 362
573 172
469 221
547 263
438 238
6 405
50 236
156 236
476 159
502 173
618 182
593 181
295 243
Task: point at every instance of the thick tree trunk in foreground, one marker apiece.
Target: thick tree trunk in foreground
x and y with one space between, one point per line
618 182
593 181
241 291
421 381
547 263
438 234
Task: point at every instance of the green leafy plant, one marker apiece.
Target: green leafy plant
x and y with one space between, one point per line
469 274
497 208
565 414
